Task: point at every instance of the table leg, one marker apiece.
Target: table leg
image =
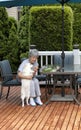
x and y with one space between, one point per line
63 88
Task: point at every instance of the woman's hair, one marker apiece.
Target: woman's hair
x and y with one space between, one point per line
33 52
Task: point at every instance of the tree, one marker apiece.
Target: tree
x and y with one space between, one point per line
8 38
12 46
4 32
23 31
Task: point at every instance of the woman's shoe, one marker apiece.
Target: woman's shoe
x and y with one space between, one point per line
38 101
32 102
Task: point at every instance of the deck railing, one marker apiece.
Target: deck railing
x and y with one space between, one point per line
47 57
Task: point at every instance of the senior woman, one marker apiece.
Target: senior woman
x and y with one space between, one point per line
34 85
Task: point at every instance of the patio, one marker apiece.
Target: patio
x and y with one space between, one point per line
54 116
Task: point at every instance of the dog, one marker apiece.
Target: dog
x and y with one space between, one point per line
25 83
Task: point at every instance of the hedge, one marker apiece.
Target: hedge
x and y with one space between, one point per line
46 27
77 24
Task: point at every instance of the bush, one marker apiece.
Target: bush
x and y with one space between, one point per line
46 27
23 31
76 24
8 39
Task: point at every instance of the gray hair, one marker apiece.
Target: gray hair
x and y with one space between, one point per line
33 52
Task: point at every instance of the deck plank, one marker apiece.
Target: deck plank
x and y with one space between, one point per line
54 116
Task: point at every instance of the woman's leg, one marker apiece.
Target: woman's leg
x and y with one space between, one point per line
37 92
37 87
34 88
32 93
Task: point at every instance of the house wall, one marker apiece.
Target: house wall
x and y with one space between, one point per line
13 12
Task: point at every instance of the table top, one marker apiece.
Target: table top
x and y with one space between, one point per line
68 69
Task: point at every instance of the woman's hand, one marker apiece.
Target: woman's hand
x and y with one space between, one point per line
35 70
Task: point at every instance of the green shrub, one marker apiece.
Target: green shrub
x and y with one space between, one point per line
46 27
76 24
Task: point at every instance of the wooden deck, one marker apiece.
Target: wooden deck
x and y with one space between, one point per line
54 116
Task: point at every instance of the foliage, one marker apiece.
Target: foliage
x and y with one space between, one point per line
4 32
24 55
8 38
46 27
23 31
12 44
77 24
4 21
41 26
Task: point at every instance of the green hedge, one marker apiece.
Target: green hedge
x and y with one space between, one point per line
46 27
77 24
